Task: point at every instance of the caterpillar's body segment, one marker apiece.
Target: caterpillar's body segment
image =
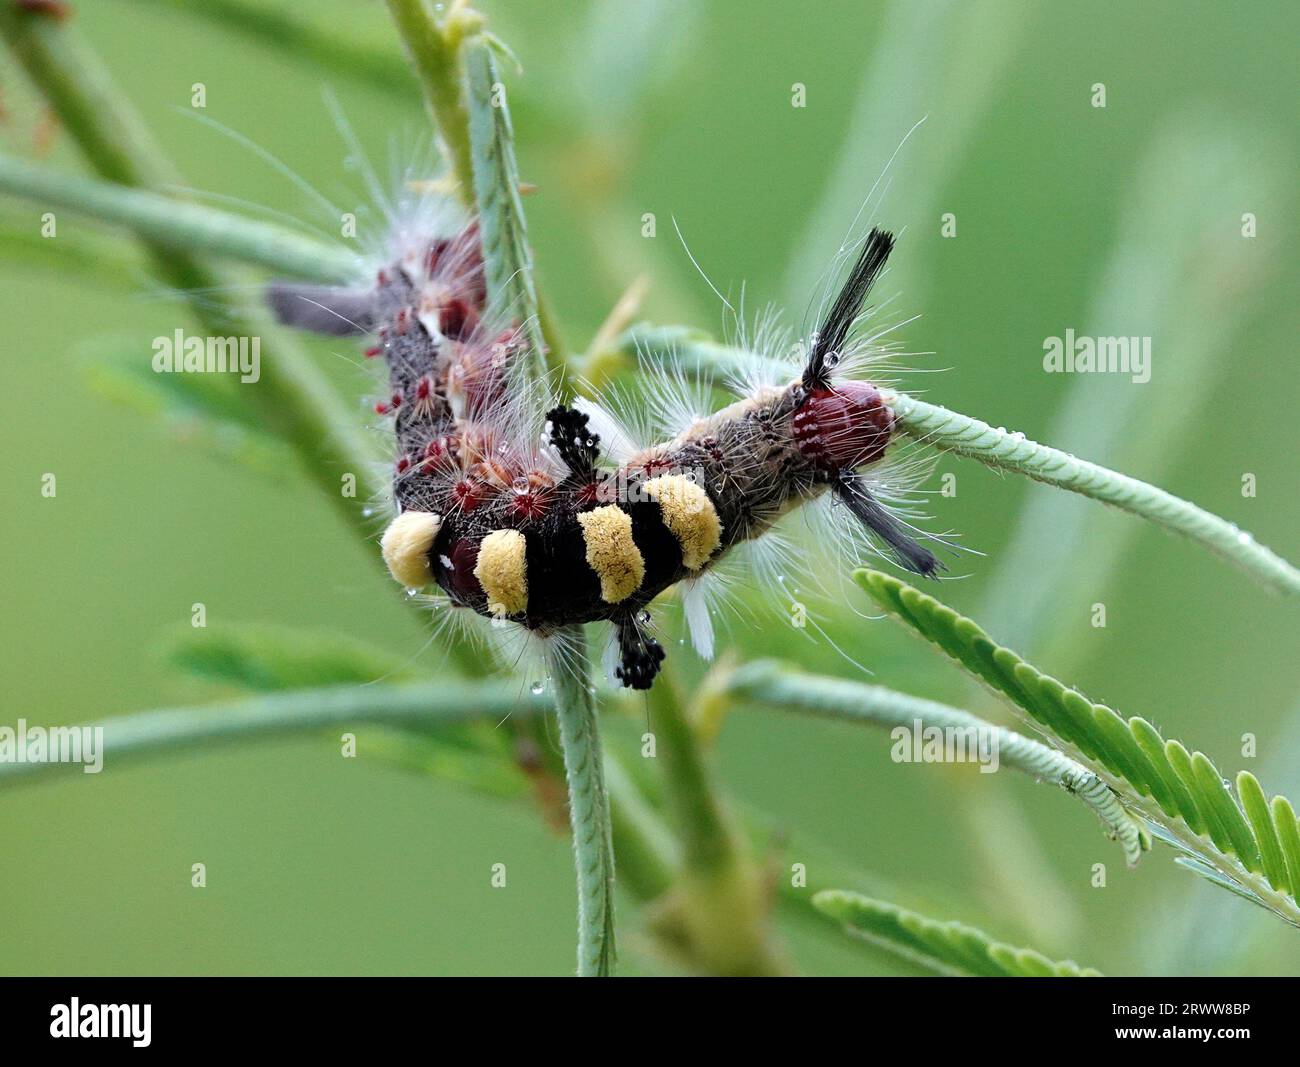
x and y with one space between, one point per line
515 511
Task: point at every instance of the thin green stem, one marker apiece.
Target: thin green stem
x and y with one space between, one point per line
506 255
696 352
717 915
178 226
709 841
466 99
775 686
638 832
644 849
589 815
297 711
947 430
434 48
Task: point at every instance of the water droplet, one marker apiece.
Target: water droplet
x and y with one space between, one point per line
367 513
412 592
519 485
643 617
1243 538
537 687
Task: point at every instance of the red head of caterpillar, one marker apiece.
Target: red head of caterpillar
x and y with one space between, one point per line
519 511
843 425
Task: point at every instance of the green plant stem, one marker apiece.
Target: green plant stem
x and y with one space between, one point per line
637 829
456 69
433 47
589 815
506 255
180 227
293 712
717 915
647 857
775 686
692 348
947 430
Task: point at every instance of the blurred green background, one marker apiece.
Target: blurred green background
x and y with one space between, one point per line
1118 221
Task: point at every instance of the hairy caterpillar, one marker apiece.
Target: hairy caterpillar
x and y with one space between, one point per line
542 514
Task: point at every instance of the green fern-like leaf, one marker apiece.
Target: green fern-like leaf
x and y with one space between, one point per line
948 947
268 658
1182 795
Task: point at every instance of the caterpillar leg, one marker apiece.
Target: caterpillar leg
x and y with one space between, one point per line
639 654
852 490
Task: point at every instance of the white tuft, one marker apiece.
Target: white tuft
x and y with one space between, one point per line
697 595
609 656
616 441
674 401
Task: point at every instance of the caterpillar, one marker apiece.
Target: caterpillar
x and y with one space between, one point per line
542 514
